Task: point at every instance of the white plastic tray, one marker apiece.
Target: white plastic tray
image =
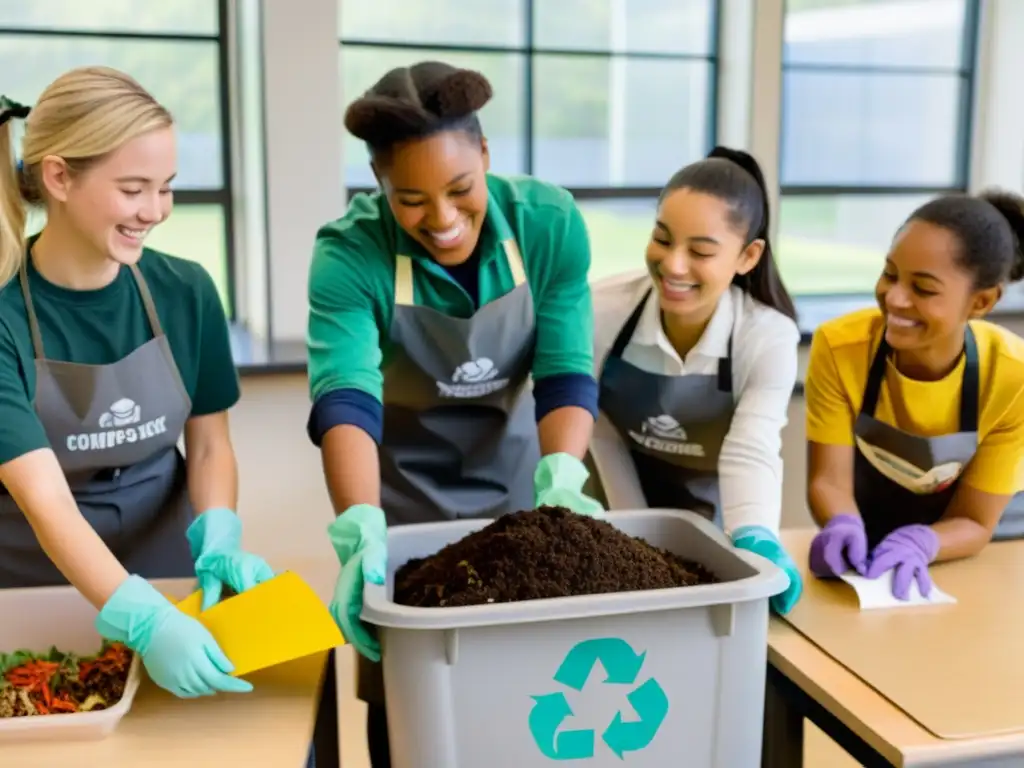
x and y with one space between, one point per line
57 616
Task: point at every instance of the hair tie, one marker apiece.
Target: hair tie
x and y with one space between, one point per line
11 110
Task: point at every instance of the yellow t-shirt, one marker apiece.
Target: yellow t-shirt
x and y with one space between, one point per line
841 353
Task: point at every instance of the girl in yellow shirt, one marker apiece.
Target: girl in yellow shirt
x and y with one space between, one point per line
915 410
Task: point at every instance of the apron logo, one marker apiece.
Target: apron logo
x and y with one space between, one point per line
121 414
907 475
475 378
121 423
665 434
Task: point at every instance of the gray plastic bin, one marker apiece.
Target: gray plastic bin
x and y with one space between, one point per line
660 678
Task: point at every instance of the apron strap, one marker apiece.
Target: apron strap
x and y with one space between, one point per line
33 322
403 281
147 300
404 294
725 370
970 386
876 374
515 261
619 346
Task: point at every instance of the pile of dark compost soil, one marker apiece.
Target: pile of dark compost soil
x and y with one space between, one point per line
541 553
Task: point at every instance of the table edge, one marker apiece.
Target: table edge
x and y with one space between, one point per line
832 685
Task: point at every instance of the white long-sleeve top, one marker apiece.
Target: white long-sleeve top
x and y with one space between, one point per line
764 373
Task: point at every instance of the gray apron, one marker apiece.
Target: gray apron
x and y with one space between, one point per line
460 431
674 425
114 429
903 479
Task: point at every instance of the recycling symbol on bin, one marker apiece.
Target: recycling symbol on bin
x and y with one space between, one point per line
623 666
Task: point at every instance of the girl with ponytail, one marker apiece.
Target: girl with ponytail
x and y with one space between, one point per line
697 358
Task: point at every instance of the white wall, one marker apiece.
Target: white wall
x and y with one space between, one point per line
283 500
302 115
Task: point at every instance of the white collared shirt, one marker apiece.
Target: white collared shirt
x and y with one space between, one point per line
764 373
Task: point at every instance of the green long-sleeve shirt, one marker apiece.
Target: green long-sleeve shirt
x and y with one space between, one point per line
351 287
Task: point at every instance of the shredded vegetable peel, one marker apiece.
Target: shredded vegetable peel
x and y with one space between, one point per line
57 682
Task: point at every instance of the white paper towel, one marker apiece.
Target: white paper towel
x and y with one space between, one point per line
877 593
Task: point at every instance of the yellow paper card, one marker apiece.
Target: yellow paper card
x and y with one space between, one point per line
277 621
192 605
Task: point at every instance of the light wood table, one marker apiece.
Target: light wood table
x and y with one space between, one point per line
805 682
292 706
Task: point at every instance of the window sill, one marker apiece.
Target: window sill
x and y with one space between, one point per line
258 357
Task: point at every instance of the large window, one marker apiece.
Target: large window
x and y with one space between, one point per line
605 97
875 120
177 51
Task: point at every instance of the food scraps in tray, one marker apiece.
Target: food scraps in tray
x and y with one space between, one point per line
57 682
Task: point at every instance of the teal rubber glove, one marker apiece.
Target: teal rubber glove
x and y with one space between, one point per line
359 536
177 651
558 482
761 541
215 539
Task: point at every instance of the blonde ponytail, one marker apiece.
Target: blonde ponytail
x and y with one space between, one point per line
12 208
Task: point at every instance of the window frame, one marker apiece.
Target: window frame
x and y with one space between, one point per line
966 72
529 50
223 196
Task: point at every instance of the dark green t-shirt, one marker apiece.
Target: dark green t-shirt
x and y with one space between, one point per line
101 327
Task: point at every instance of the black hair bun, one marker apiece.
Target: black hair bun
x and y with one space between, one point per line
1011 206
409 101
459 94
385 118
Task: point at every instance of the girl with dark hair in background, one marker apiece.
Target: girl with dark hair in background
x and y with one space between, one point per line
697 357
915 409
432 303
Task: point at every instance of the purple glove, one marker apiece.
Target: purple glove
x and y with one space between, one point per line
842 544
909 550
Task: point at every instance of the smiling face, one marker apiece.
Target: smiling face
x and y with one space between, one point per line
437 189
695 252
927 297
115 202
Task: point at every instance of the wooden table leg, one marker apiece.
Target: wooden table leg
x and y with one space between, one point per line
787 706
325 735
783 739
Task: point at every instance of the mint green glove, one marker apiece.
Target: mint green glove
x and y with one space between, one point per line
761 541
558 482
215 538
177 651
360 539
